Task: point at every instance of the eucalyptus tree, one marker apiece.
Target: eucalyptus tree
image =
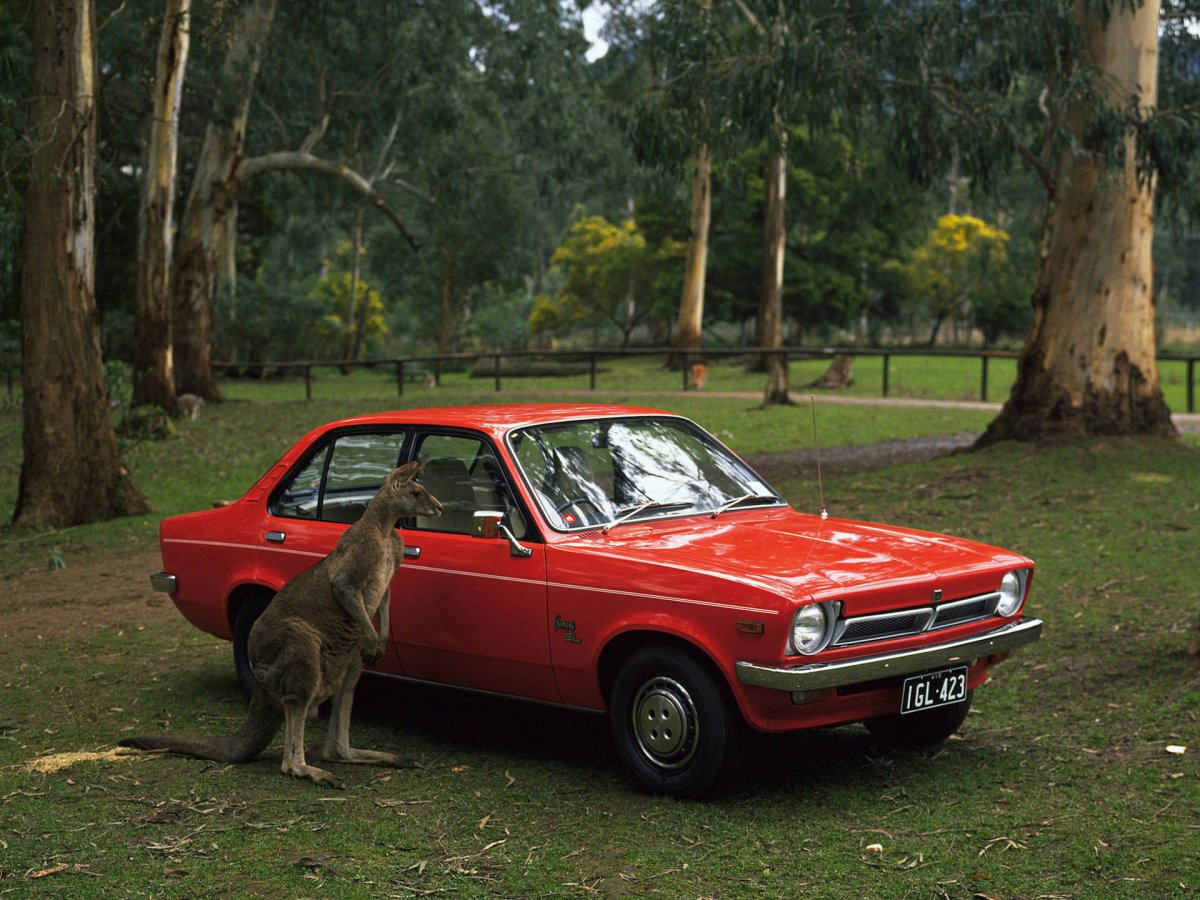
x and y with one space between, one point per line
239 147
677 120
153 365
1071 90
71 470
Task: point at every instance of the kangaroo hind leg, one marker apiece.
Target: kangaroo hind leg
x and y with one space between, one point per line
337 739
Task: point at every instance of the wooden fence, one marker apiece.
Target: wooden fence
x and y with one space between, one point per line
425 366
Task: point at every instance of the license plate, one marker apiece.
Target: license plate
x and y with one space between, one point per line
933 689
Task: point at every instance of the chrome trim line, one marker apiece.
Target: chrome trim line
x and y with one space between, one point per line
815 676
161 581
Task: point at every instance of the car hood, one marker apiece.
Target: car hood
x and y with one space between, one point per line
800 557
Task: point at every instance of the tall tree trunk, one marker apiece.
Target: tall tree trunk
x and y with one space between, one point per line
769 332
447 312
356 318
154 366
1089 364
71 470
689 326
211 210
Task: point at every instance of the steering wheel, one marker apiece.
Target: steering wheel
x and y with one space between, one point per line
579 502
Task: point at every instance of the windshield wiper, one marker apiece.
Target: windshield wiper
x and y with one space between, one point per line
626 514
745 498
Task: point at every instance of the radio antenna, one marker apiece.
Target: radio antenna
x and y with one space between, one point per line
817 444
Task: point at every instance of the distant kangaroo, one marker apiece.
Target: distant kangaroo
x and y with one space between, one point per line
312 640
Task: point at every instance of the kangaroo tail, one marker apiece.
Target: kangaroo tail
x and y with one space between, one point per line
262 723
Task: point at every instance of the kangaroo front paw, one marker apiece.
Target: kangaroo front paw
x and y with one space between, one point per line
374 653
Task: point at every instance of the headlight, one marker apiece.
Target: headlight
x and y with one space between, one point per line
1012 592
812 627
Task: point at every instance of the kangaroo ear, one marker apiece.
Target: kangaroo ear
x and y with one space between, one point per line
408 471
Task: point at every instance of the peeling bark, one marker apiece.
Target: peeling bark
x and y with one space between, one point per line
154 365
1089 367
210 215
689 326
770 311
71 470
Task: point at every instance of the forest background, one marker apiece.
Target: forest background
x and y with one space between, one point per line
497 133
252 181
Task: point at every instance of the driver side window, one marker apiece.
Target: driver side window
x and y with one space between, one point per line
463 474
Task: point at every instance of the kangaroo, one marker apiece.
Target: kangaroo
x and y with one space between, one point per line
310 643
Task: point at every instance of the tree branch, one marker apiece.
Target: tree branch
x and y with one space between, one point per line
300 161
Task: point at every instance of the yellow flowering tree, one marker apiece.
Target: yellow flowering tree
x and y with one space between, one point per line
354 310
606 278
962 264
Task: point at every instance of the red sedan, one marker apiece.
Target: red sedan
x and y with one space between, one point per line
622 560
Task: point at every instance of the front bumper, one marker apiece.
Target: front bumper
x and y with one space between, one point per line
815 676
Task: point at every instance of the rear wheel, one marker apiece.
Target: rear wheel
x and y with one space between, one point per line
247 615
674 724
919 729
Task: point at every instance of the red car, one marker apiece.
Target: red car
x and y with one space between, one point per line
622 560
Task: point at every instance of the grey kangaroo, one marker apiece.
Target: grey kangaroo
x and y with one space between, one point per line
310 643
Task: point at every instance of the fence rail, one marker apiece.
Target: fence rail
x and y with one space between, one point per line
423 366
430 365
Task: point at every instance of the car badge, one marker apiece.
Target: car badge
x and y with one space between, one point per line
937 596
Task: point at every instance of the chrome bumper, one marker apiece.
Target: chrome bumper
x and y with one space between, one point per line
161 581
815 676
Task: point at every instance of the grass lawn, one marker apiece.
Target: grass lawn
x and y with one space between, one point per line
1060 784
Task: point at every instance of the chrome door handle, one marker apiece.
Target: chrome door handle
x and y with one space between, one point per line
276 537
412 552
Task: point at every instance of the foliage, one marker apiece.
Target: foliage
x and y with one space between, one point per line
962 267
605 278
263 323
350 306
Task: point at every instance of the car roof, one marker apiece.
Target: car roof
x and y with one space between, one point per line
496 419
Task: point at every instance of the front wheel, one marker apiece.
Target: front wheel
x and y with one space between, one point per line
247 615
675 726
919 729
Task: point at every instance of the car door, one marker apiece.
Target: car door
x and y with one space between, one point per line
326 492
467 611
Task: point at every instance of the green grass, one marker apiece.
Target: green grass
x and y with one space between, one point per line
1060 784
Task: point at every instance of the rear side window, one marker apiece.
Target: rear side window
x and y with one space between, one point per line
340 479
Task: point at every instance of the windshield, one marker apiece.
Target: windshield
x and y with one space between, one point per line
609 471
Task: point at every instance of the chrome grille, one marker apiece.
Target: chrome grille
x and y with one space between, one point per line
969 610
882 626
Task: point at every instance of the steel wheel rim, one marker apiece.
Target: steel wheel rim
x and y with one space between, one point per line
665 723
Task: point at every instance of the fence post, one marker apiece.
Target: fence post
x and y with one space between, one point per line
592 372
886 361
687 365
1191 380
983 378
308 382
399 378
497 372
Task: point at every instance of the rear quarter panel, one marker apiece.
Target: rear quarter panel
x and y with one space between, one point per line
210 553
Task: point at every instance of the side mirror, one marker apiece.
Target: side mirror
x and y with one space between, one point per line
486 524
489 524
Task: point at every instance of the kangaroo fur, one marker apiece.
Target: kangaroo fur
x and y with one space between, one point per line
310 643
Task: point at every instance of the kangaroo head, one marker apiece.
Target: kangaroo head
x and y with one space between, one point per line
404 496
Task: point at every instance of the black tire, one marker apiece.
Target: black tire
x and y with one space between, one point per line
247 615
919 729
675 726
